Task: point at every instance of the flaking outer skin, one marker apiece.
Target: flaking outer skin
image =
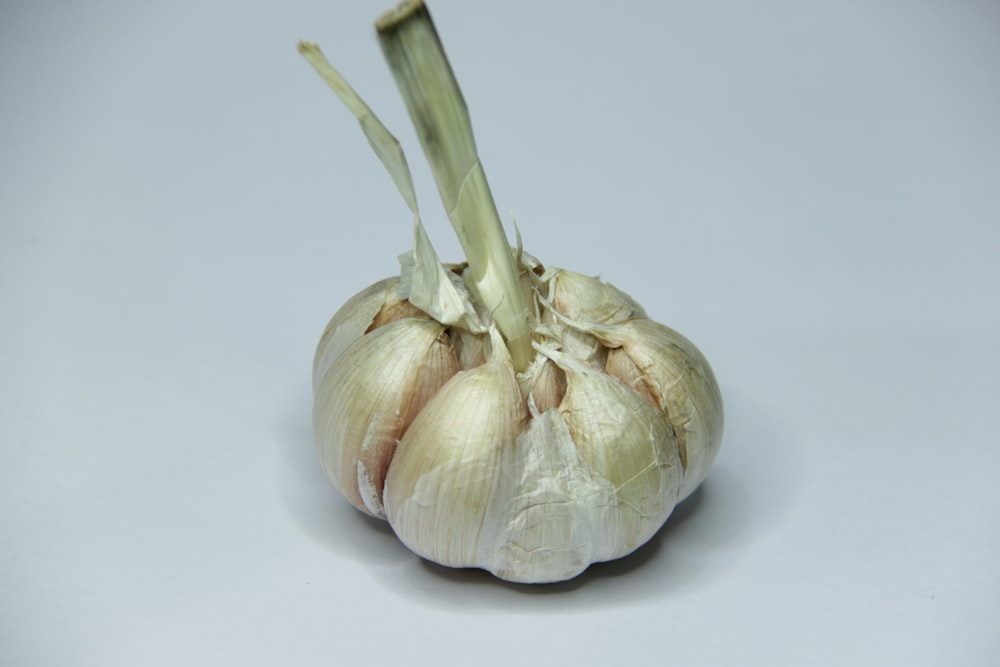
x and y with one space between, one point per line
555 509
676 377
623 439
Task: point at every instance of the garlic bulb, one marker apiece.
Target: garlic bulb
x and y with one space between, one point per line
500 415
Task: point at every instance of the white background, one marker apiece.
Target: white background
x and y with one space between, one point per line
808 190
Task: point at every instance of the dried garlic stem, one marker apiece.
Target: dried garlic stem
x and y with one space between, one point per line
437 109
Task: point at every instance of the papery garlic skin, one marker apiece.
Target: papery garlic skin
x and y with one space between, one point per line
349 323
556 510
446 482
676 377
624 439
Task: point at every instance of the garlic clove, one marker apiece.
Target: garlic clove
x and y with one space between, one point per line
673 373
623 438
556 511
443 486
369 396
376 305
589 299
575 296
545 384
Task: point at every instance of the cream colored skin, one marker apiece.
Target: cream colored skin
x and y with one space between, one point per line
531 476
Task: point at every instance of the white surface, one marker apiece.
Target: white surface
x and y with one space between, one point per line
809 191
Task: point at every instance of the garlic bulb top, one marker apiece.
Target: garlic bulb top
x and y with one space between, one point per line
500 415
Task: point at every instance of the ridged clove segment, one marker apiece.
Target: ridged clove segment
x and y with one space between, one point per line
369 396
675 376
350 323
651 358
588 299
623 439
447 475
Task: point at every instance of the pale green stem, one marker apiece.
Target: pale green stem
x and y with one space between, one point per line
437 109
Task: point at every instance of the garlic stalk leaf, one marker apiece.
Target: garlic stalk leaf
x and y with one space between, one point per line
386 146
437 108
425 282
